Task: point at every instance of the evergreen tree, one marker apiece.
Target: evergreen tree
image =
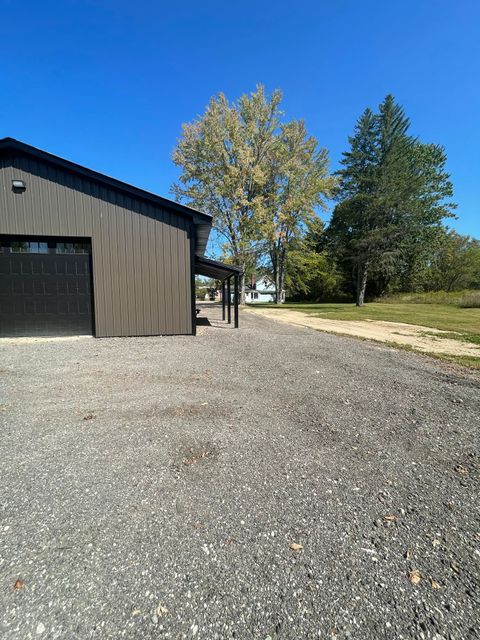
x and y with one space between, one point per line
393 190
358 174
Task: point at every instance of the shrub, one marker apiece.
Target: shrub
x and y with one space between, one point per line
433 297
470 300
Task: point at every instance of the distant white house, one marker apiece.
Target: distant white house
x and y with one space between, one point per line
261 289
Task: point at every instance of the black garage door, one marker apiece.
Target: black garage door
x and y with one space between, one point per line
45 287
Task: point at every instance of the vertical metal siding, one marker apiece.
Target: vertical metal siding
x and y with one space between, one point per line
140 252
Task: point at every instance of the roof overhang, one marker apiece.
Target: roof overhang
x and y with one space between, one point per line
202 221
214 269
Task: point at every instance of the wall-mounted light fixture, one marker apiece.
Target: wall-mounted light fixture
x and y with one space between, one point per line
19 185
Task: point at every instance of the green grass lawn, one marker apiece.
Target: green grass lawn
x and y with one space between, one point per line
463 323
438 316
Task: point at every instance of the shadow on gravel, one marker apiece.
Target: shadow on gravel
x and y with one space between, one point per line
203 322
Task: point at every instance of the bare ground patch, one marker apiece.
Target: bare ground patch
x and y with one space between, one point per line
194 454
201 409
417 337
41 339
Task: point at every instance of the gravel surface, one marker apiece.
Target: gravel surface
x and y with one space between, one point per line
154 487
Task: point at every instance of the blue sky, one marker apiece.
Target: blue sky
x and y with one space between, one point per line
108 83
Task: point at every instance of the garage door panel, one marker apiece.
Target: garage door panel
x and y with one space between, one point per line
5 285
50 287
38 286
60 286
45 294
83 286
8 307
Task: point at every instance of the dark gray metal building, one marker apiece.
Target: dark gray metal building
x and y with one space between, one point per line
83 253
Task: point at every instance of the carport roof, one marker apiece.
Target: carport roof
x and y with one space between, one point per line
214 269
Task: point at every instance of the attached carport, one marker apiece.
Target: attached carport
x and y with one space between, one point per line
225 273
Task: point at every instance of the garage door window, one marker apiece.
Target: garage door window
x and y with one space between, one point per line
9 245
19 246
73 247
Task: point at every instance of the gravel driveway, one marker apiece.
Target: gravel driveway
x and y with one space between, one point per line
153 487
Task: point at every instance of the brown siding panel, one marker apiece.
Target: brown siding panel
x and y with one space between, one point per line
162 316
140 252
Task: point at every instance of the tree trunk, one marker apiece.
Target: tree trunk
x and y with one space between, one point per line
361 283
280 278
274 261
277 286
242 286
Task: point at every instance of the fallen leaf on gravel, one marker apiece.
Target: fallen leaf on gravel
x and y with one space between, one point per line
390 518
296 547
434 583
408 554
194 458
89 416
461 470
454 567
19 584
136 612
230 540
436 543
415 576
161 610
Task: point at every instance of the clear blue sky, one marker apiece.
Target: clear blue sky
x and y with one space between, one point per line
108 83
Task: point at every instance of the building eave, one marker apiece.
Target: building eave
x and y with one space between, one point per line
202 221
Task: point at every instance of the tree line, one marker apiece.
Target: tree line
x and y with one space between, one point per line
265 180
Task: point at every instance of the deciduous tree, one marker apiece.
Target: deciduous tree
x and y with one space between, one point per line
298 183
223 158
261 178
454 265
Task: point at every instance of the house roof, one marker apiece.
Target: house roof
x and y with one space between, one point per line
202 221
258 275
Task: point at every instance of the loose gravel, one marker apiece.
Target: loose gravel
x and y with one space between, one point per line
272 482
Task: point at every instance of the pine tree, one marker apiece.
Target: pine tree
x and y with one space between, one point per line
392 190
358 174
